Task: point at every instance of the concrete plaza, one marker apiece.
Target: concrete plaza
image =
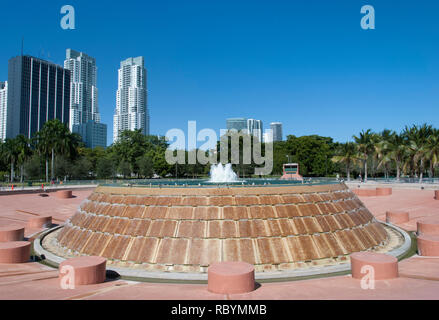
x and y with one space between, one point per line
418 276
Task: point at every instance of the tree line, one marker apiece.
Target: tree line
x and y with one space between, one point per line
413 152
54 153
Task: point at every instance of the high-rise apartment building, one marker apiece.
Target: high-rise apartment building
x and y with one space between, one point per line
3 109
254 128
276 128
131 98
83 90
38 91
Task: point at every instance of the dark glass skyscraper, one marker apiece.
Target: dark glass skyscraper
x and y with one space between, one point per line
236 123
276 128
38 91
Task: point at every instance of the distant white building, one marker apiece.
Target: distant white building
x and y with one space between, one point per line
276 128
83 90
3 109
131 98
268 137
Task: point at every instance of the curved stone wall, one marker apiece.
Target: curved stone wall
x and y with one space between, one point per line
187 229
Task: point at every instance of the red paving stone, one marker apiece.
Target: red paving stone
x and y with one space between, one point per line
17 209
419 276
420 267
419 204
346 288
33 281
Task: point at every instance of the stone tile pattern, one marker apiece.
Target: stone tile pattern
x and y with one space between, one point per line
187 229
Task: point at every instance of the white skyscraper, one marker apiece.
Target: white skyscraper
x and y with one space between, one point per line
254 128
3 109
131 98
83 90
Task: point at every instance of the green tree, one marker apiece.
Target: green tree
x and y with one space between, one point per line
313 153
124 169
81 168
24 152
280 156
105 168
382 155
63 167
416 138
347 154
42 141
93 155
396 151
146 166
161 166
365 147
32 167
11 153
55 139
132 145
433 150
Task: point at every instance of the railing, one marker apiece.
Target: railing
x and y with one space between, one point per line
314 180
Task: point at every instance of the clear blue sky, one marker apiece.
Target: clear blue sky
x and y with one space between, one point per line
305 63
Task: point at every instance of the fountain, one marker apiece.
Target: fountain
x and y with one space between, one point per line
221 174
176 230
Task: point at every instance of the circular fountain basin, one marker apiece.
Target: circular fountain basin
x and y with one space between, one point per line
247 182
176 232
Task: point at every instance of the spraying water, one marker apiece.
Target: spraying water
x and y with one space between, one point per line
220 173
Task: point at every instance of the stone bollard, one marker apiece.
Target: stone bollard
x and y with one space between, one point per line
11 233
40 222
64 194
428 245
397 217
84 270
428 226
15 252
231 277
385 266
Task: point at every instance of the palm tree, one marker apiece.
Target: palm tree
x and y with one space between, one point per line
11 152
347 154
382 151
42 141
396 151
24 152
57 132
55 138
365 147
417 142
67 145
433 150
